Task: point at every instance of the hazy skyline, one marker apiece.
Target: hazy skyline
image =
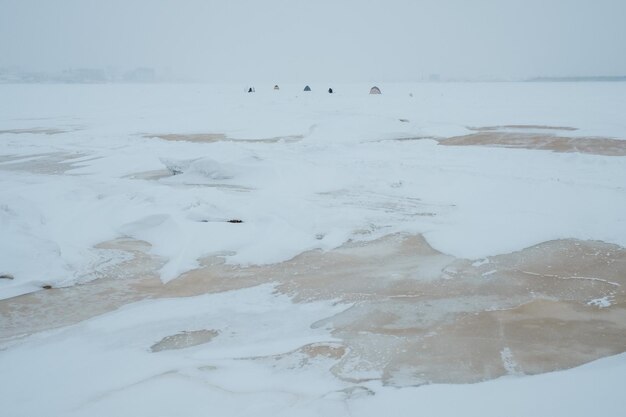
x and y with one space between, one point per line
294 40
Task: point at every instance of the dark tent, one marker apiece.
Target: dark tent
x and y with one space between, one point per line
375 90
330 90
307 88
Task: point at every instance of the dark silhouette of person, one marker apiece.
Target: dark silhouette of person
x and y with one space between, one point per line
330 91
250 90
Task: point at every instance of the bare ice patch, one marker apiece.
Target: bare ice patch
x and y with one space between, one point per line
184 339
415 315
52 163
34 131
538 137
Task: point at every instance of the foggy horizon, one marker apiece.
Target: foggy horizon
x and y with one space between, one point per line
293 41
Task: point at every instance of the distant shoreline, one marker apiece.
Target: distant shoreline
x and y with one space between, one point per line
621 78
617 78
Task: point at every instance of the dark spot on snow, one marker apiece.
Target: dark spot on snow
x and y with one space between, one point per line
6 276
46 287
234 221
404 120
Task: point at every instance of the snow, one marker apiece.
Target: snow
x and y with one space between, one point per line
344 175
602 302
104 366
302 172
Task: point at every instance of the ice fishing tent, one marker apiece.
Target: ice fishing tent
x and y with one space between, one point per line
276 87
307 88
375 90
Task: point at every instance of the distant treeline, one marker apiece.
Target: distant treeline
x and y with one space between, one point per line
79 76
578 79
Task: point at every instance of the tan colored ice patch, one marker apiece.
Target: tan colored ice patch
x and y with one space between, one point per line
123 284
305 355
524 127
35 131
536 337
416 315
53 163
184 339
326 350
220 137
537 137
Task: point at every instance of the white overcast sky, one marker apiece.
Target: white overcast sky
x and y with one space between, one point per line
342 40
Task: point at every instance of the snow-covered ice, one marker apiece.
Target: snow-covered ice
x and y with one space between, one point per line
65 192
176 165
104 366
